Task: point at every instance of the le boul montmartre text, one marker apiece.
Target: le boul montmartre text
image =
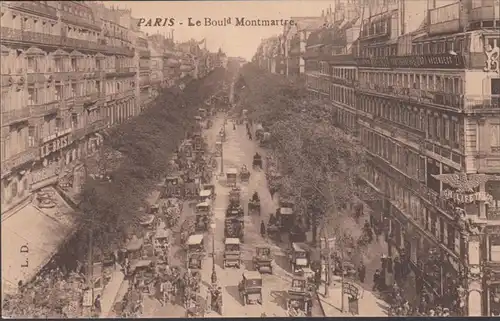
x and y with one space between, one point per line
209 22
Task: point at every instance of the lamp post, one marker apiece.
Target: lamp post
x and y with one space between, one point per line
214 275
222 151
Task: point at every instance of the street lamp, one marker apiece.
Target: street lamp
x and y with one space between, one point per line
214 275
222 132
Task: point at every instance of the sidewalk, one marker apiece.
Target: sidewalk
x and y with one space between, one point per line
110 292
368 304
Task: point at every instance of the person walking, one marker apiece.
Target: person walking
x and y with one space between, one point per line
361 272
376 280
97 305
262 229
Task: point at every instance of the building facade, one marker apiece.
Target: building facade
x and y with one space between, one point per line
426 93
69 70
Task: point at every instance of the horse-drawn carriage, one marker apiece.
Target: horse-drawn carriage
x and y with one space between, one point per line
173 187
234 196
231 177
257 161
254 204
244 174
234 227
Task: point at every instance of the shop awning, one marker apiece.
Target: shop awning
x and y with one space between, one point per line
33 230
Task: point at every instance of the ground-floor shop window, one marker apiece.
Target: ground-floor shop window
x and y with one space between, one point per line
495 299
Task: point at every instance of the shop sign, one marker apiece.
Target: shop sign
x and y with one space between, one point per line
54 146
437 61
467 198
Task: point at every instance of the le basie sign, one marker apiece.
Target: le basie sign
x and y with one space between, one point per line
438 61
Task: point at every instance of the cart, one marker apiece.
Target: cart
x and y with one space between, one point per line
263 260
205 196
231 176
232 252
211 188
234 196
244 174
172 187
257 162
254 207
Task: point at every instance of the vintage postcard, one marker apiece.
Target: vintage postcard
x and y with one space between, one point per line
195 159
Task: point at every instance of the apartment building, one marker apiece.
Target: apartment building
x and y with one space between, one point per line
293 43
267 55
69 70
426 106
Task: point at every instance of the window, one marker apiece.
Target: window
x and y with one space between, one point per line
13 189
32 64
74 65
74 120
446 128
58 62
495 87
31 136
495 138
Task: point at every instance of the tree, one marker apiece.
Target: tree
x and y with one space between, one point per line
135 155
318 161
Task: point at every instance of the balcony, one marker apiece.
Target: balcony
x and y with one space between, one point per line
121 71
86 99
15 35
15 116
120 95
34 7
96 126
437 98
40 110
486 103
73 19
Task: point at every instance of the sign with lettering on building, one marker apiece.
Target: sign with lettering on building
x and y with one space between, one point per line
467 198
54 145
438 61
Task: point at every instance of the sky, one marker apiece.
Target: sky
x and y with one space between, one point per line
235 41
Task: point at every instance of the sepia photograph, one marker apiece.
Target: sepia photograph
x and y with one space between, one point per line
226 159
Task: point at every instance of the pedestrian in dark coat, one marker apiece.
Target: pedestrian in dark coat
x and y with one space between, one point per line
262 229
97 304
377 277
362 272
